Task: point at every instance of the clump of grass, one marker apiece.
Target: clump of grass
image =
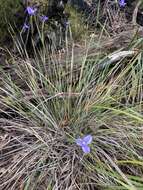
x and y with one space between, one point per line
51 100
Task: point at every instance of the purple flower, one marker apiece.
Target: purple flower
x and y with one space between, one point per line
84 143
25 27
122 3
31 11
43 18
66 24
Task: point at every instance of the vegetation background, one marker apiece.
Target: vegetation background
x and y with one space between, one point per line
48 101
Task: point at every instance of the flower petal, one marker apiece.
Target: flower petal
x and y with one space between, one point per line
26 26
31 11
43 18
122 3
87 139
86 149
79 141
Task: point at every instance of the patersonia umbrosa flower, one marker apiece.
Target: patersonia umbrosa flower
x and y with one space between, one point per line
66 24
31 11
84 142
25 26
43 18
122 3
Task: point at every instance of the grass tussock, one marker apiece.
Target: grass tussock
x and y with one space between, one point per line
50 101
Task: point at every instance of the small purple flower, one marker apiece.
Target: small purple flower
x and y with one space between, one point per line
66 24
31 11
122 3
43 18
84 143
25 26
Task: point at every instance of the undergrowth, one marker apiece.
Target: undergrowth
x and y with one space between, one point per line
49 100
